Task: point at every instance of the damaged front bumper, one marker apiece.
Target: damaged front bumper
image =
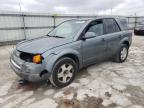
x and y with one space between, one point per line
28 71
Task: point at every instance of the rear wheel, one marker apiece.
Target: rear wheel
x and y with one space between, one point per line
122 54
63 72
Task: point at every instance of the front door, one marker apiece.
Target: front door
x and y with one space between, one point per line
94 49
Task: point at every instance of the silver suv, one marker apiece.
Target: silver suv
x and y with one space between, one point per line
70 46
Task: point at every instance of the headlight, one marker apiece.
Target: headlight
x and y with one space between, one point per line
37 59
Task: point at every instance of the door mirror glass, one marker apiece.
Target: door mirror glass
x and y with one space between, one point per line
89 35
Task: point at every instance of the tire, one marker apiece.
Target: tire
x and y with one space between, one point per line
119 57
64 72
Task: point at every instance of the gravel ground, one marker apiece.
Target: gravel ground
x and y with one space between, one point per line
104 85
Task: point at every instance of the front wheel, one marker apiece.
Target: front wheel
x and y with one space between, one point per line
122 54
63 72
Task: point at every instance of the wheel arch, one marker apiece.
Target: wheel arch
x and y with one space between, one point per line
126 43
71 54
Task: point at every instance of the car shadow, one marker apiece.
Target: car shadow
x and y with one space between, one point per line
34 86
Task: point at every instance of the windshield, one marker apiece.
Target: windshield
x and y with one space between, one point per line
67 29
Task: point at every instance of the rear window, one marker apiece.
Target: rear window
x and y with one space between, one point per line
123 23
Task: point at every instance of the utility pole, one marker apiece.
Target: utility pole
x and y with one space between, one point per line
20 6
23 19
135 20
111 11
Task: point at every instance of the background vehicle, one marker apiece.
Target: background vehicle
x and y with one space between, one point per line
71 46
139 30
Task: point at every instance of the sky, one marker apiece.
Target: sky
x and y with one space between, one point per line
93 7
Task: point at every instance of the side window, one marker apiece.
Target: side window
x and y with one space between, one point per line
96 27
111 26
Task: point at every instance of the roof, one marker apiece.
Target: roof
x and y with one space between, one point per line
99 17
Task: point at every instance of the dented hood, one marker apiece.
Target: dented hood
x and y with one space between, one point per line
42 44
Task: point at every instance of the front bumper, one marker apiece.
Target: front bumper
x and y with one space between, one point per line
28 71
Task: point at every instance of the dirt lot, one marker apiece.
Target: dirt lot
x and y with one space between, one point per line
104 85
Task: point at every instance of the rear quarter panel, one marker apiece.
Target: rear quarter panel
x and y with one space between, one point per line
126 36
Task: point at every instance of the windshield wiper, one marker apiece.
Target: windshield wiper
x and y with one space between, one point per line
58 36
55 36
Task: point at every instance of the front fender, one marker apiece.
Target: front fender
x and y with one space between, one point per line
52 58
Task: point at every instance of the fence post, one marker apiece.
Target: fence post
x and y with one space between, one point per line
135 22
54 21
24 27
128 20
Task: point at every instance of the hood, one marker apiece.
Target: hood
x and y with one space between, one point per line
42 44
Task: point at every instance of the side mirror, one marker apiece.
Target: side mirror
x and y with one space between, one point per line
89 35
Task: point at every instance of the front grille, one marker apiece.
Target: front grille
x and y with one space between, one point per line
26 57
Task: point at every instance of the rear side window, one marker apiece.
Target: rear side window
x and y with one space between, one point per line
111 26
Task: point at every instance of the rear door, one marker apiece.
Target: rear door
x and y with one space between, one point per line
113 35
